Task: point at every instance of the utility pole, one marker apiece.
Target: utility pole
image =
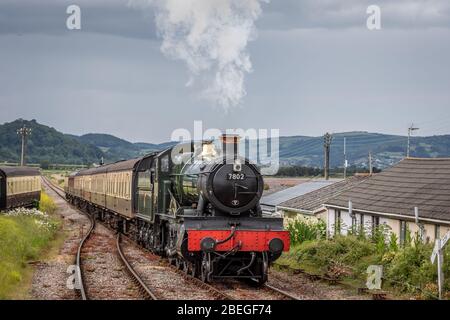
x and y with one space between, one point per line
345 158
410 131
327 143
23 132
370 163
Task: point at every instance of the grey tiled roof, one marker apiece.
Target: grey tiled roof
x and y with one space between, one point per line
276 198
422 183
314 200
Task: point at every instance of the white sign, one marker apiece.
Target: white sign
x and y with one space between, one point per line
439 245
435 252
445 239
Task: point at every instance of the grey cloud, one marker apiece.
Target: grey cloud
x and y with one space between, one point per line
117 17
49 17
293 14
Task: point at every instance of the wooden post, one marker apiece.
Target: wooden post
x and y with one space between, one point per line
327 143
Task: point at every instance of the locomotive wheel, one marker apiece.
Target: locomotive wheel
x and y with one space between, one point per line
178 263
193 269
205 268
264 269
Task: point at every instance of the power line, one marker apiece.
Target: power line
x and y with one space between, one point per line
327 143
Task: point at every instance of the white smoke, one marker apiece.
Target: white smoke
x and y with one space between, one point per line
211 37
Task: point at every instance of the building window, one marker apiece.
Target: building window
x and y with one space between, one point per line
337 222
375 223
437 232
361 226
403 228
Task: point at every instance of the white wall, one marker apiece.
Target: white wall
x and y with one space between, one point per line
392 224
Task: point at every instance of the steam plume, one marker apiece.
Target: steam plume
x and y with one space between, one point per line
211 37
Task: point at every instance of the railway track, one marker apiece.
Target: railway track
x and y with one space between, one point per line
280 292
137 278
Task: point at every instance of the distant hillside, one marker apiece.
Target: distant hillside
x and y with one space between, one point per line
47 144
111 146
115 148
44 144
386 149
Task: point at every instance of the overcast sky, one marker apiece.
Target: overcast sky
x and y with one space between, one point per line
316 68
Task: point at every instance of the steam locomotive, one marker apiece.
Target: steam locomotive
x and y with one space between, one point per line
196 205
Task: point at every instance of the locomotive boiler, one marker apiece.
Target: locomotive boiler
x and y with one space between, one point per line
198 206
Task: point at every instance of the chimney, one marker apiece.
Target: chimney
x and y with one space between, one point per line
230 144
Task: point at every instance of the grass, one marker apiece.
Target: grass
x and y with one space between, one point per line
25 235
56 176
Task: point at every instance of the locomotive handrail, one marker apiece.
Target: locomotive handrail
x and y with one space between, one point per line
233 231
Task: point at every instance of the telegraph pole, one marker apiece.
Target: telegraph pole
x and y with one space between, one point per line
410 131
23 132
345 158
327 143
370 163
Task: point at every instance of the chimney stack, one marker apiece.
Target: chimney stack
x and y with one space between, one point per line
230 144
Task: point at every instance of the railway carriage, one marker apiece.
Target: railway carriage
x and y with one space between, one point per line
19 187
197 206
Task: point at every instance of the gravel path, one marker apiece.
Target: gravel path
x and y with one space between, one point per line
50 277
240 290
299 285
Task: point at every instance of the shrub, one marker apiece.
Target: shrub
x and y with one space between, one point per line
341 251
47 204
301 230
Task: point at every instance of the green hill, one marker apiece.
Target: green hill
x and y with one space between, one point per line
44 144
47 144
386 149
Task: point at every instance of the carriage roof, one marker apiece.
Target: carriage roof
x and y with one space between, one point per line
19 171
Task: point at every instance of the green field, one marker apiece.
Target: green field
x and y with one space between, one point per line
25 235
